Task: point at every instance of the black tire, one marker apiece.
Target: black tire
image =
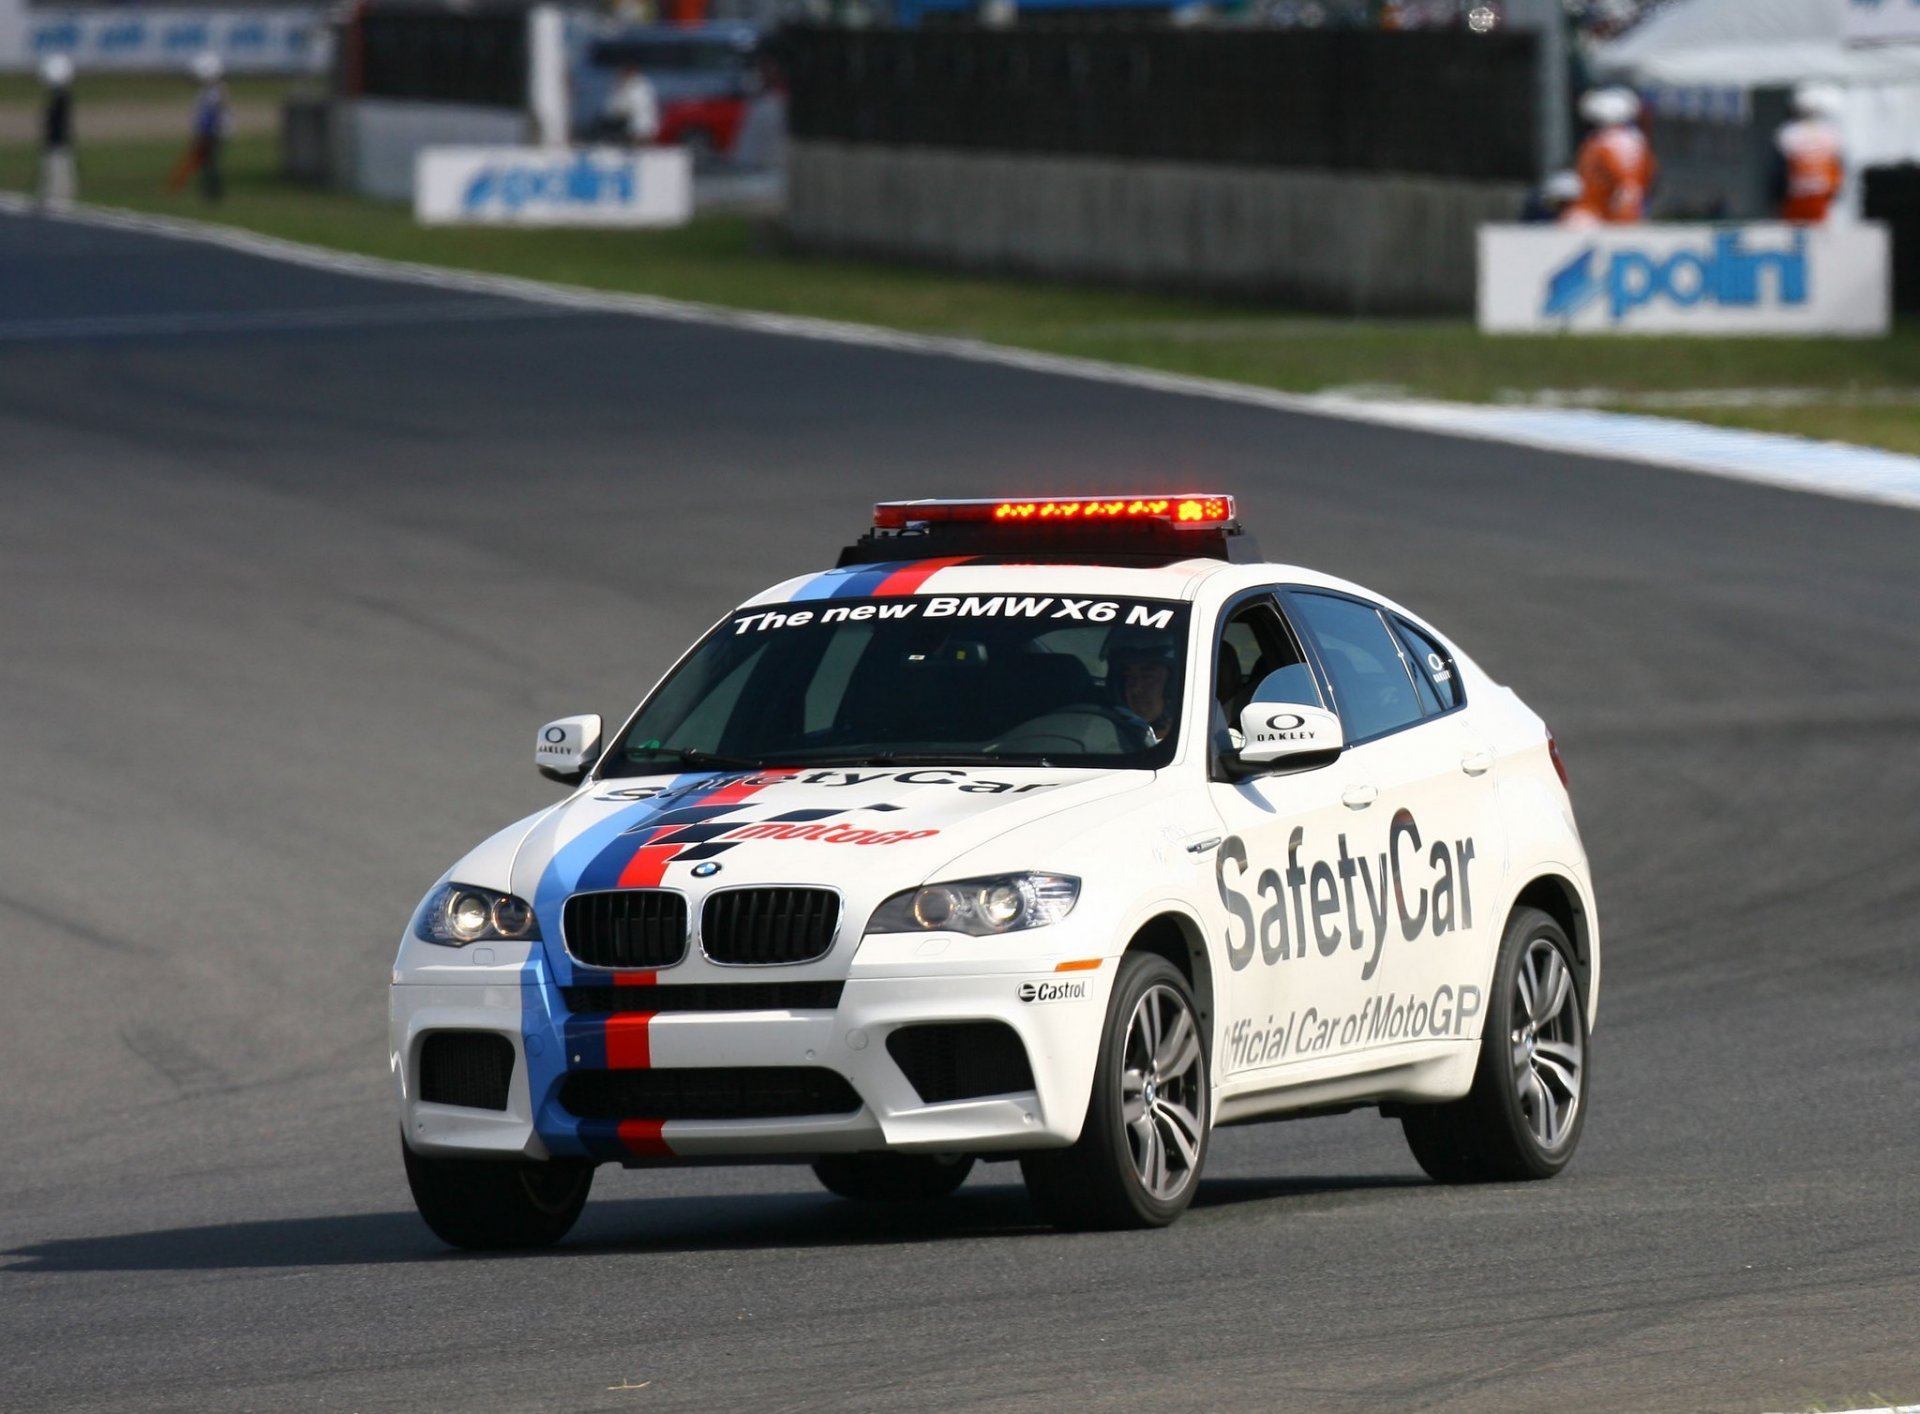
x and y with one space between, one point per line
497 1204
892 1178
1098 1182
1510 1127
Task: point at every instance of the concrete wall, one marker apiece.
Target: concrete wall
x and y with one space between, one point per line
1363 243
375 139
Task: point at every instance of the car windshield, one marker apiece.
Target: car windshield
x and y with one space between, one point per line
986 678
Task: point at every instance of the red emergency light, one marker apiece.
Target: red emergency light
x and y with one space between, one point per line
1205 512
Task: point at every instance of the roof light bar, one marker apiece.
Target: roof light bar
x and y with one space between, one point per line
1189 512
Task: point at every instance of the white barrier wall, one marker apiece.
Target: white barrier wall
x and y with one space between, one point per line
1749 279
293 39
1882 21
1355 242
378 141
553 186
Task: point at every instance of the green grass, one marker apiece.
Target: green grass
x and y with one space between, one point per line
742 263
25 90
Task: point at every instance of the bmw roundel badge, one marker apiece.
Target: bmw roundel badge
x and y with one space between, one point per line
707 870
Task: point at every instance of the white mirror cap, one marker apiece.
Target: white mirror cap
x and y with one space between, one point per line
1273 731
567 748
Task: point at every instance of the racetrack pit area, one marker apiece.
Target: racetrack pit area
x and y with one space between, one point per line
283 607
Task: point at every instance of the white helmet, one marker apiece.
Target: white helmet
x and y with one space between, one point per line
56 70
1818 100
1609 107
207 66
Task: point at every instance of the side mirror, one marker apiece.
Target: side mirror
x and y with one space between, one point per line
567 749
1279 731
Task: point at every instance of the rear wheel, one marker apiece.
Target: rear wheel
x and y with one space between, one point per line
1138 1159
491 1204
892 1178
1523 1117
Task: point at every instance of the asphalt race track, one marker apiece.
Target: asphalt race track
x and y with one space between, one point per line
295 563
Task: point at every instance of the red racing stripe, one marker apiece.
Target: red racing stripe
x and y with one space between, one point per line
906 581
748 788
636 979
644 1140
627 1045
649 862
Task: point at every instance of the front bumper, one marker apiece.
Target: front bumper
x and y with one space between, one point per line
1055 1016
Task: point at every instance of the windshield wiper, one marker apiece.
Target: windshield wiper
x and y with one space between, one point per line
924 758
687 756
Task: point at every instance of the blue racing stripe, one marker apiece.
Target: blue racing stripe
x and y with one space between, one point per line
853 582
586 1041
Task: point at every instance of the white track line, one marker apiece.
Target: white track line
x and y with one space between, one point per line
1795 463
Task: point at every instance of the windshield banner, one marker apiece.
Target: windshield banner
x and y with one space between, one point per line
1049 609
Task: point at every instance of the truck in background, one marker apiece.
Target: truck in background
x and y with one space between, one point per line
707 78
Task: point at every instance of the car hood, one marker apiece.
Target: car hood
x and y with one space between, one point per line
860 829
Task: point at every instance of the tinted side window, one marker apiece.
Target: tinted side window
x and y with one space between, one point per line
1258 662
1432 667
1372 691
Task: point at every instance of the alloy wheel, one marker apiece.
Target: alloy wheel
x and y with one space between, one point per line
1549 1052
1163 1092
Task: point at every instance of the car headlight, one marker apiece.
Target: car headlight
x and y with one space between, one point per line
454 915
980 908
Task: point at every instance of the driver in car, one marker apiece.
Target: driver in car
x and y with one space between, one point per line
1140 668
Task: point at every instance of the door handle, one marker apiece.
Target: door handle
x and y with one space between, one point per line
1360 797
1477 763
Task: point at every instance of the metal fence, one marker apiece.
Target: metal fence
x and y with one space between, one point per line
439 55
1438 103
1892 194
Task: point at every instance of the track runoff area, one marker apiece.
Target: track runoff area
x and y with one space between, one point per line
290 587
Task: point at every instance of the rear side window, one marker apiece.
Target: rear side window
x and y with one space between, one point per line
1433 670
1372 689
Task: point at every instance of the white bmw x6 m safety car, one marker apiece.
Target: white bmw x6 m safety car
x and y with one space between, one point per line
1063 831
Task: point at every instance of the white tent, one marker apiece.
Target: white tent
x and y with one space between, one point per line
1752 44
1748 44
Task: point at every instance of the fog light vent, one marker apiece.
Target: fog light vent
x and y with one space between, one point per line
470 1068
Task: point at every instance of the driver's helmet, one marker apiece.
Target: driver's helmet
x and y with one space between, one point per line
1132 645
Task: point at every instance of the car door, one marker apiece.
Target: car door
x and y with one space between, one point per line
1276 867
1420 838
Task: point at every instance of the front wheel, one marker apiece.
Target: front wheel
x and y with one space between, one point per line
495 1204
1523 1117
891 1178
1138 1159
